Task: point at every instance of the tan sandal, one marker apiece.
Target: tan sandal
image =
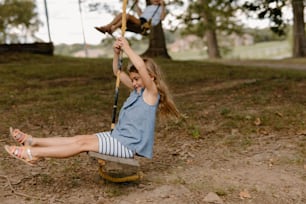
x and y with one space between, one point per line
20 137
22 153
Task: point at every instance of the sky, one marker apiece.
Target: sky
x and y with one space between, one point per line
66 21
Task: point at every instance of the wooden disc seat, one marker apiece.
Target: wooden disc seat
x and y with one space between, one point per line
117 169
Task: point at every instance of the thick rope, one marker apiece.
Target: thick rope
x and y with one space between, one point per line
123 29
123 24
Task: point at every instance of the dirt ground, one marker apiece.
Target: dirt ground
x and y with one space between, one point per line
176 175
211 169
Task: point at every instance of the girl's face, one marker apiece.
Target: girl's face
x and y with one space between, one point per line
136 81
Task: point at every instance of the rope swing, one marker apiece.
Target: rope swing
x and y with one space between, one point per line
123 29
103 159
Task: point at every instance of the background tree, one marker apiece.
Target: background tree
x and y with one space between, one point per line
273 10
208 18
18 18
157 43
299 39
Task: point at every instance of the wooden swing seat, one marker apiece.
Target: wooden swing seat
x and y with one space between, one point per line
128 164
131 162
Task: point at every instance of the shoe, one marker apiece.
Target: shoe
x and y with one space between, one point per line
101 29
20 137
21 153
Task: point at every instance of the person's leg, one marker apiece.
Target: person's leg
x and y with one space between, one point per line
31 155
133 19
29 140
66 146
73 145
53 141
130 18
108 27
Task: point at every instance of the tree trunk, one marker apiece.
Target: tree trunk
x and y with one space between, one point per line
210 33
157 43
212 44
299 39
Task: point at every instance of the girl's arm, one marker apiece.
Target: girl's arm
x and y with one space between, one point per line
124 78
139 64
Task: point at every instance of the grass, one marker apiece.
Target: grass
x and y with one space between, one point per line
55 92
265 50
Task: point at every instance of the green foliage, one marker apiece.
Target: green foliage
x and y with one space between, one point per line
218 15
194 131
269 9
17 15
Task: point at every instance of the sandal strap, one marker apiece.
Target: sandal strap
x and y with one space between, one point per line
30 157
29 140
21 137
18 152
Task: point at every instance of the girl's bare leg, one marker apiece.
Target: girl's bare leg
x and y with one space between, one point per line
65 147
130 18
54 141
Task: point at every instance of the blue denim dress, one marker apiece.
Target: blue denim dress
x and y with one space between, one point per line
136 124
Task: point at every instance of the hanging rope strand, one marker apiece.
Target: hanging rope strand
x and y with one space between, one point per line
123 26
120 61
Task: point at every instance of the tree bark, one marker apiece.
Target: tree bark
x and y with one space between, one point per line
212 44
210 33
157 43
299 39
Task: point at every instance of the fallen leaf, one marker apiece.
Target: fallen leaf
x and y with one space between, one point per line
279 114
271 162
302 132
257 121
263 132
244 194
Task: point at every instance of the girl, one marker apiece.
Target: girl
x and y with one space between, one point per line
134 132
154 12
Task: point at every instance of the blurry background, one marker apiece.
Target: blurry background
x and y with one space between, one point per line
243 29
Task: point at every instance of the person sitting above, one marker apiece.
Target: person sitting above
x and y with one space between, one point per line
153 14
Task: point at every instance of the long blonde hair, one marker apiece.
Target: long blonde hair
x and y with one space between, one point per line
166 106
